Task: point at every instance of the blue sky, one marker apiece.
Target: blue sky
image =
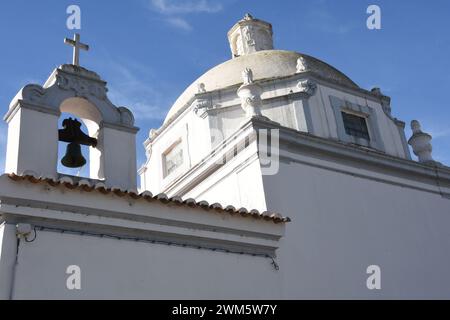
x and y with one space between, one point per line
149 51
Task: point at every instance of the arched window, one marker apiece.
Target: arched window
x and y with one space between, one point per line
84 112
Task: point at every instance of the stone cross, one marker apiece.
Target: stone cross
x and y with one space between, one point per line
77 45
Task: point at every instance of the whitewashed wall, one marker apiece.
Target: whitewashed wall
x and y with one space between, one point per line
342 223
239 183
193 132
121 269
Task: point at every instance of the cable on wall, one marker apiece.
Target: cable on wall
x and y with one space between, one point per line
154 241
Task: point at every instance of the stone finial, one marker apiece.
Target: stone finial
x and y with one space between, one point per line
152 133
302 65
385 101
250 35
201 87
376 91
248 16
250 94
421 143
416 127
247 76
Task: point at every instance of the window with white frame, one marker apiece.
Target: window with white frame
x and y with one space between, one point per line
172 158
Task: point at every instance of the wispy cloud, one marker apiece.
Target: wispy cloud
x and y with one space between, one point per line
320 18
171 7
437 134
179 23
174 12
127 89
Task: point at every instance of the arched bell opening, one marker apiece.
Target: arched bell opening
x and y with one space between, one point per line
79 147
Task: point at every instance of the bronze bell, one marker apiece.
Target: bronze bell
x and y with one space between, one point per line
72 134
73 158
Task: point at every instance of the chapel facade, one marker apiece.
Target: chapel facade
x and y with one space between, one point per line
273 176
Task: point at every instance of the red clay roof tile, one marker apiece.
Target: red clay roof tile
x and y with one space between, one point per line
88 186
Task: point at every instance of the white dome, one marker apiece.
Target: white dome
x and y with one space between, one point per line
264 64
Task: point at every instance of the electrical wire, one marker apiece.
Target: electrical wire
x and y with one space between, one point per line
154 241
34 238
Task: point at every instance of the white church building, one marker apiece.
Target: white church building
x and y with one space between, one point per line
273 176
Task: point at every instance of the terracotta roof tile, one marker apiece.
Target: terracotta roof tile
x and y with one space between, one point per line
89 186
217 206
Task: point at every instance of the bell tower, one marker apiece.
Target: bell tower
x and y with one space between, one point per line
250 35
33 133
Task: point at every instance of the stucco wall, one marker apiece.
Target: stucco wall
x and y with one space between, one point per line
189 130
2 229
344 218
239 183
126 269
342 223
